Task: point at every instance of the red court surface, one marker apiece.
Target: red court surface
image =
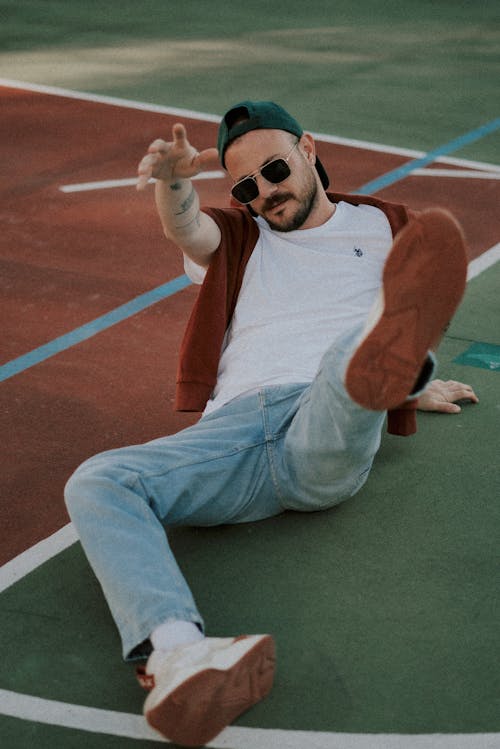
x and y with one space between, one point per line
69 257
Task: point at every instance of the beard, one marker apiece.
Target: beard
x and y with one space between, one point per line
306 201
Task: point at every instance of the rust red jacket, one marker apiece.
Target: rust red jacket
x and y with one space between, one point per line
214 307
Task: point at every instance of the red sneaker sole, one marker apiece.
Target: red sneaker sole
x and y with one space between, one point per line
424 280
201 707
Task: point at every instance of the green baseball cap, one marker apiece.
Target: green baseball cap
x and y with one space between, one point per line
259 115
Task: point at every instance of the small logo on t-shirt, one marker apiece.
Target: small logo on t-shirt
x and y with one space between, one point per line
358 252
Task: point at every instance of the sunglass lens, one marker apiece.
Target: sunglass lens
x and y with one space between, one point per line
245 191
276 171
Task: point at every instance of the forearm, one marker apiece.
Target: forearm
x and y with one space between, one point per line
178 206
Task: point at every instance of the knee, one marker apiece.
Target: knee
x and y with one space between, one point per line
315 489
76 488
88 484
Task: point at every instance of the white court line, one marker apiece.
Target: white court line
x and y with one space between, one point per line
127 182
111 100
455 173
483 262
133 726
37 555
79 717
206 117
131 181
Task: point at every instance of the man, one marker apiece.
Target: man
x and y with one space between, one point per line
316 315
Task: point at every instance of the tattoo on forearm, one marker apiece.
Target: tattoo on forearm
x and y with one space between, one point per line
181 212
186 204
194 220
189 210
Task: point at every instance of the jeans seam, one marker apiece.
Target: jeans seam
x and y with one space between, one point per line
270 441
234 451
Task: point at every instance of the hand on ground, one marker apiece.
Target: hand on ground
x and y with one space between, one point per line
443 396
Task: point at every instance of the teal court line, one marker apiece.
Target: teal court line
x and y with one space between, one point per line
90 329
389 178
40 354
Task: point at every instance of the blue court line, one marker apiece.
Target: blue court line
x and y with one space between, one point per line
389 178
177 284
95 326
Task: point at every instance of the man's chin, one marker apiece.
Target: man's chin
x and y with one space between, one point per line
277 221
274 225
281 220
278 216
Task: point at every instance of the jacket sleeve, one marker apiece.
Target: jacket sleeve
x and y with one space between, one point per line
204 334
402 420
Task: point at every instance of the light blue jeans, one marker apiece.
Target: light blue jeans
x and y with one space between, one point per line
300 447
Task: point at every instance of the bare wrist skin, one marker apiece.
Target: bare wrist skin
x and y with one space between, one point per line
179 207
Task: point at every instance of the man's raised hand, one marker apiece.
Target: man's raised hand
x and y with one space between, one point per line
173 160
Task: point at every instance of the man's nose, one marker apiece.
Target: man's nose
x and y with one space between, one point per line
266 188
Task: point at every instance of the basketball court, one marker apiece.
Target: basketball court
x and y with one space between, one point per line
385 609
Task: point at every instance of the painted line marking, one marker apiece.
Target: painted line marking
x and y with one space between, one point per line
481 355
483 262
78 717
455 173
111 100
114 723
389 178
128 182
204 116
35 556
468 163
132 181
117 315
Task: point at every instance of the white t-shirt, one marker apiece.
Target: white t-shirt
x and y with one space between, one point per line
301 291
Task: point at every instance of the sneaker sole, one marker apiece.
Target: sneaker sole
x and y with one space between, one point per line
423 282
204 704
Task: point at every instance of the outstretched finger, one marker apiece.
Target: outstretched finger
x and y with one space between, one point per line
208 159
145 172
142 181
179 134
158 146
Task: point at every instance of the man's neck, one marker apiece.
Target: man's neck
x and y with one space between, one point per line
321 213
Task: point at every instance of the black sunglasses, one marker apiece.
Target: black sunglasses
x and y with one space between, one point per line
274 171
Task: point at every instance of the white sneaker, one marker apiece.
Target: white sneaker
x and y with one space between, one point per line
199 689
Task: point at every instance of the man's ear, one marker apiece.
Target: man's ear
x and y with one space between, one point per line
308 147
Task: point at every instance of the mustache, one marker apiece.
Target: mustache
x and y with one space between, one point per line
271 203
